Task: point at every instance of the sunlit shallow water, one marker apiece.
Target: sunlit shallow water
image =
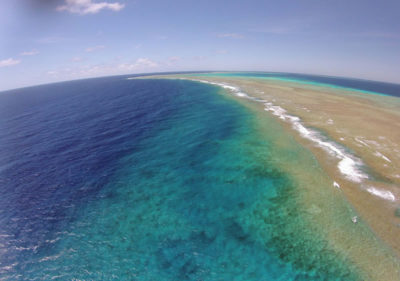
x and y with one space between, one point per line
150 180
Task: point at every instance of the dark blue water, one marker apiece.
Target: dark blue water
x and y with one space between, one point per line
146 180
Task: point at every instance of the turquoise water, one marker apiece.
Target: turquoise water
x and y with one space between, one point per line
193 195
354 85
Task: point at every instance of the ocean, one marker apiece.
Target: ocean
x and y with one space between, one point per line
146 179
358 85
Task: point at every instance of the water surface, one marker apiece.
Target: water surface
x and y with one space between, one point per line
148 180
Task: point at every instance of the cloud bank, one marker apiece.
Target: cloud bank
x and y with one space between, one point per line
9 62
95 48
29 53
141 63
84 7
82 71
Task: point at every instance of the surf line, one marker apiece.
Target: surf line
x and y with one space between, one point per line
350 166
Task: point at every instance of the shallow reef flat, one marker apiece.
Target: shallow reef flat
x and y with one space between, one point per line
355 138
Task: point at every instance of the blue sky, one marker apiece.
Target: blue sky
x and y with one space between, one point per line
45 41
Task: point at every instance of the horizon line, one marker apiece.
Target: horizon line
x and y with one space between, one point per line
200 71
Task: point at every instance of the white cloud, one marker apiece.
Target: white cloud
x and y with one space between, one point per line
145 62
140 63
29 53
95 48
84 7
76 59
173 59
9 62
51 72
230 35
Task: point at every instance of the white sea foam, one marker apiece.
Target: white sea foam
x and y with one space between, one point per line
384 194
349 165
360 141
7 267
241 94
377 153
234 90
50 258
375 143
33 248
52 240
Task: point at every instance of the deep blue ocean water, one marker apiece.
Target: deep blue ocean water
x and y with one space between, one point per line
120 179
